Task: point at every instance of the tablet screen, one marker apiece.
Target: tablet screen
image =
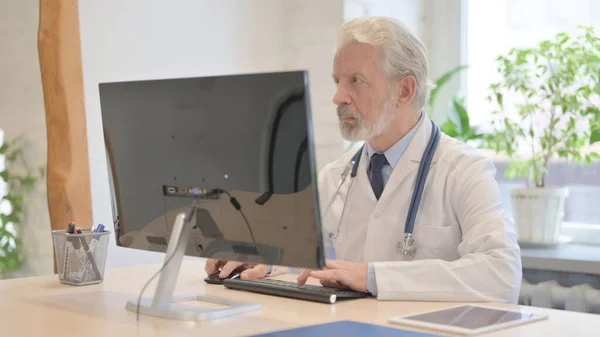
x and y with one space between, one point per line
470 317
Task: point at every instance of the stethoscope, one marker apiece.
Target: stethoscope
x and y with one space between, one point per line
406 247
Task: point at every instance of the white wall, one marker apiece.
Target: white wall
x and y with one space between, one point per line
22 114
410 12
310 31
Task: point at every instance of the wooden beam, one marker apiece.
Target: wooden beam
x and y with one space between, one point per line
69 190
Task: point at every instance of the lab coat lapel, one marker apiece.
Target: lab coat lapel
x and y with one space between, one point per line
408 164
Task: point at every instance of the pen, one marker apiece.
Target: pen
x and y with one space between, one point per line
92 247
89 255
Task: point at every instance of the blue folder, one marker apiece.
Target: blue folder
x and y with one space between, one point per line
346 329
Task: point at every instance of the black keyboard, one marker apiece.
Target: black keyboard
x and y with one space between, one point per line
306 292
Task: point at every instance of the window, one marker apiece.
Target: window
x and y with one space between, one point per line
493 27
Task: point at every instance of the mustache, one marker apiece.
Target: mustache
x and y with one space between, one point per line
344 111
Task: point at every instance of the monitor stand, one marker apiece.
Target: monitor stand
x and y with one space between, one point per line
164 304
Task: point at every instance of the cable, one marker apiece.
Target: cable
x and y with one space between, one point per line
248 225
237 206
139 302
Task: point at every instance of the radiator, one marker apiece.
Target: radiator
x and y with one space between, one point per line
550 294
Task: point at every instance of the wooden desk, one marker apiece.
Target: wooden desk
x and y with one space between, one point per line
41 306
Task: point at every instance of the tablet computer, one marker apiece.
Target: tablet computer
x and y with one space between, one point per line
469 319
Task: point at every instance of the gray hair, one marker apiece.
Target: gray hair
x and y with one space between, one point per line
404 54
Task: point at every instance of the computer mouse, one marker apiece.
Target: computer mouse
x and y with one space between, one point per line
215 279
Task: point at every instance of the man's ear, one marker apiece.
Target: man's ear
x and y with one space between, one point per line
407 88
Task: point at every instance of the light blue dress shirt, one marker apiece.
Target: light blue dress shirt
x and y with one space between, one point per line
393 155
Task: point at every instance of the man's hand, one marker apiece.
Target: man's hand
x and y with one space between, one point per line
339 274
251 271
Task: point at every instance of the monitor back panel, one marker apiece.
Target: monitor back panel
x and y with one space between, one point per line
169 141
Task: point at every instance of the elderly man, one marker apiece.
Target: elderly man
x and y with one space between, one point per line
463 248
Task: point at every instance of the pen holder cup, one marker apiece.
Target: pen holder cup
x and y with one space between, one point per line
80 257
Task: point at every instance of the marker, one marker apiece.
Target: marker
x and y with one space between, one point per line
90 256
68 251
92 248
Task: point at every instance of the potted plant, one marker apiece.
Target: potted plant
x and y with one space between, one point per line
547 103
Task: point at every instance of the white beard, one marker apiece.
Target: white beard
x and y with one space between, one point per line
363 131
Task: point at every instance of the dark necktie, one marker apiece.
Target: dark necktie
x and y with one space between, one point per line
378 160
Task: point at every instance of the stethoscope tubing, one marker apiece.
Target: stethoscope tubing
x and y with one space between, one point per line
352 168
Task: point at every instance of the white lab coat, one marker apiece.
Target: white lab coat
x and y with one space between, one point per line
466 248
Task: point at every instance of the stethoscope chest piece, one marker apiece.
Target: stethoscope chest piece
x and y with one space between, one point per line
408 246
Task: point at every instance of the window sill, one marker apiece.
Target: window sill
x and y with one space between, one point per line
571 258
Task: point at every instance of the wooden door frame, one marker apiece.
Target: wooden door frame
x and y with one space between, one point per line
68 172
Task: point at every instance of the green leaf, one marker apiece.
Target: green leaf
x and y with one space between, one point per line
593 110
511 172
508 125
595 155
12 157
12 217
458 104
472 134
441 81
499 98
450 129
595 136
29 182
4 175
586 91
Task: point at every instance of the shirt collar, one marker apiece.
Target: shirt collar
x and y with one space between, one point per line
395 152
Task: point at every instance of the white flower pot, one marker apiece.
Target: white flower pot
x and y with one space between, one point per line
538 214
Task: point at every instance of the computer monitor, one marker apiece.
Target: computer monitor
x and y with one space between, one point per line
172 143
